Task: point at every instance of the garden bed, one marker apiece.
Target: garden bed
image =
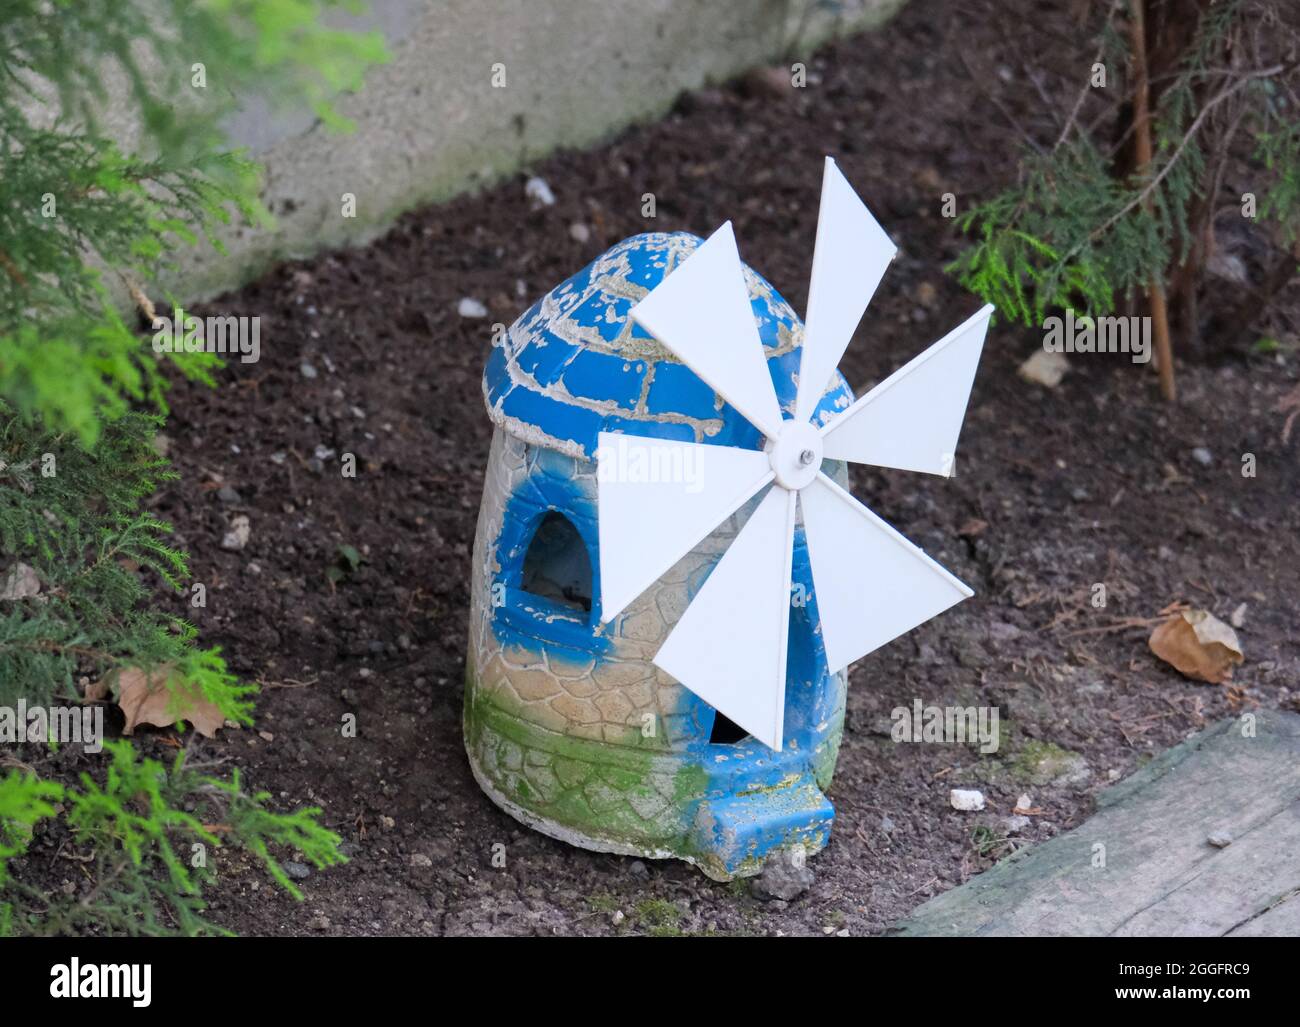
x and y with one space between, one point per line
1096 481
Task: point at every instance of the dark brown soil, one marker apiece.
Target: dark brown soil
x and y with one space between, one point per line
1093 482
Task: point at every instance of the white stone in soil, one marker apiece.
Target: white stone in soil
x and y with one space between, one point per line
237 537
537 189
968 800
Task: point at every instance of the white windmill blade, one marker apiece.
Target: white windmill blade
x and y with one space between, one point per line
701 312
729 647
849 259
659 499
871 583
912 419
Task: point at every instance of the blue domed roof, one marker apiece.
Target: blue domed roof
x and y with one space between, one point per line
575 365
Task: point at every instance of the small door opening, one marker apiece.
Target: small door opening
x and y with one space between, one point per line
556 566
726 731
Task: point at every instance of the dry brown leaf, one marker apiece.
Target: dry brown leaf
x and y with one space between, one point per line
1198 645
145 699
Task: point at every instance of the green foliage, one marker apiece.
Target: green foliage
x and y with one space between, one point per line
78 385
1038 247
79 203
66 356
1068 235
72 515
1071 234
347 561
24 800
1279 151
150 830
659 918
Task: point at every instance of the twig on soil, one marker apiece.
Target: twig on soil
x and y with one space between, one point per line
1123 624
287 683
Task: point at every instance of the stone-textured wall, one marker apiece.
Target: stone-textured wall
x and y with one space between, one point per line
431 124
602 700
557 738
555 711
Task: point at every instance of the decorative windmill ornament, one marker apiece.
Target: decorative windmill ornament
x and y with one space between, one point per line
870 584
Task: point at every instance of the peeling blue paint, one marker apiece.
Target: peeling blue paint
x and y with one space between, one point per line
575 365
605 376
572 366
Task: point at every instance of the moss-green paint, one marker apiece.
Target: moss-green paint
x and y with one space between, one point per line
600 785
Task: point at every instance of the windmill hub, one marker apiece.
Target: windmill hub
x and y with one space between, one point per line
796 454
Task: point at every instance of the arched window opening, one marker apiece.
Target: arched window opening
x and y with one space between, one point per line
556 565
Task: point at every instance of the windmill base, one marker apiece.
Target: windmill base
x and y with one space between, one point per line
609 799
735 828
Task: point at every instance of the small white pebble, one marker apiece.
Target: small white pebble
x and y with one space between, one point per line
470 307
966 799
537 189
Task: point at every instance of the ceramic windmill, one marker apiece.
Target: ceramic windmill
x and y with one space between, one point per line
870 584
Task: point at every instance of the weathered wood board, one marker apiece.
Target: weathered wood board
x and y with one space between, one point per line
1143 865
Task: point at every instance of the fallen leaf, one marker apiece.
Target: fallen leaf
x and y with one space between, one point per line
1198 645
146 698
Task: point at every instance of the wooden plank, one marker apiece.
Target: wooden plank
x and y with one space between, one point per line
1142 864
